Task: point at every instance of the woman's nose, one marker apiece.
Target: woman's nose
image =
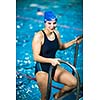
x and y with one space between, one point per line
53 25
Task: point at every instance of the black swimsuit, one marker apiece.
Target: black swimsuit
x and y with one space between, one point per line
48 50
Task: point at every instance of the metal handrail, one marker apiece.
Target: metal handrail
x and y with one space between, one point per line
75 56
77 77
76 52
48 93
50 80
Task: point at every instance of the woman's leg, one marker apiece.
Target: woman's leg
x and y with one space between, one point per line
42 78
66 78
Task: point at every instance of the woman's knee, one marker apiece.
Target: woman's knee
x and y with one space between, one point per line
74 82
69 80
41 77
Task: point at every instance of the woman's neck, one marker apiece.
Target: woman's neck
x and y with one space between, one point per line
50 35
47 32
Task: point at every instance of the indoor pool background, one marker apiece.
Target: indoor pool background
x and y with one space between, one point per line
70 25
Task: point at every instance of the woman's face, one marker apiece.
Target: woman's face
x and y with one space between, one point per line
50 25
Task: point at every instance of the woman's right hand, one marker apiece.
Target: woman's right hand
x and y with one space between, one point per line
55 62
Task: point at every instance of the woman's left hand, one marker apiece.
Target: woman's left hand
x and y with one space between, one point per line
79 39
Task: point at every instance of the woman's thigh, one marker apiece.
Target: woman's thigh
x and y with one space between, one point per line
64 77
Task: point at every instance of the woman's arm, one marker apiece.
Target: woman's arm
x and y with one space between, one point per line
36 46
68 44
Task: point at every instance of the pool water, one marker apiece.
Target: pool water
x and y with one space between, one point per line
70 25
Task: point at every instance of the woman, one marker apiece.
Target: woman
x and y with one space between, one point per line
45 44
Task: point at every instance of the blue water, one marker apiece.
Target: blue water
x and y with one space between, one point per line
70 25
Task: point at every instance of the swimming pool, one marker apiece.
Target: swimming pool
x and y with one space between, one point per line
70 25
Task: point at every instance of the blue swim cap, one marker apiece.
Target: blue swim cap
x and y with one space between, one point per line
49 16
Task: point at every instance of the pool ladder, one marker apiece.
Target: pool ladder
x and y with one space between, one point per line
77 89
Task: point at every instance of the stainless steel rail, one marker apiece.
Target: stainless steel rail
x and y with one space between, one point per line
48 94
50 81
77 77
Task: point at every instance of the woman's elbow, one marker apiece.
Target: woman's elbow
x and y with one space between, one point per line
35 57
61 47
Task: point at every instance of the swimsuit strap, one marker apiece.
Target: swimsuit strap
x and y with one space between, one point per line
46 36
44 33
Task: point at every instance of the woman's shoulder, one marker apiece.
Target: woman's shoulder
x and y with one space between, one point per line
57 33
39 34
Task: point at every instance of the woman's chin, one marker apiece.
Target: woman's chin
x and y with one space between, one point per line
52 30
